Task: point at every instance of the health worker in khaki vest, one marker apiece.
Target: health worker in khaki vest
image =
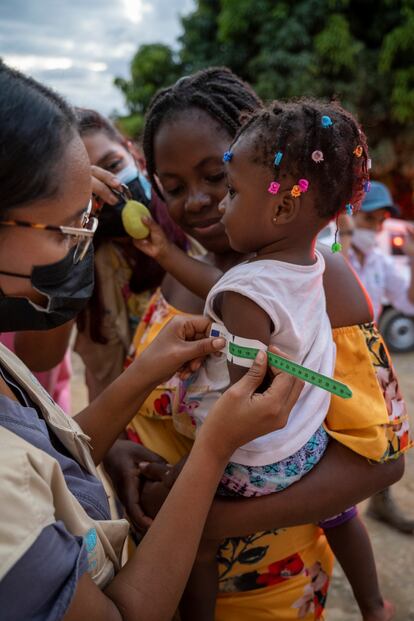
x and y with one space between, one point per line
60 553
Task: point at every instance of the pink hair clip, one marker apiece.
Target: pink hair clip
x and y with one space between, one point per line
317 156
303 185
273 187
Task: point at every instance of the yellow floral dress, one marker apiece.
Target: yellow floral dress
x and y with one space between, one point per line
282 574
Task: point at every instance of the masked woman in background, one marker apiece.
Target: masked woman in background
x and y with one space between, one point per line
125 278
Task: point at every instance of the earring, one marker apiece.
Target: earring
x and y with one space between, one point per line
336 246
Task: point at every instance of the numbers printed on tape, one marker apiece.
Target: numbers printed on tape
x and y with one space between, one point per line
303 373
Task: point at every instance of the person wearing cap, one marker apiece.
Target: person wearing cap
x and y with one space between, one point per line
376 270
381 279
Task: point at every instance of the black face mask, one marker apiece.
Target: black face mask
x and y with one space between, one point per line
109 216
67 287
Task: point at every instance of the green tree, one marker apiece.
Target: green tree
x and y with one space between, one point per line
361 51
152 67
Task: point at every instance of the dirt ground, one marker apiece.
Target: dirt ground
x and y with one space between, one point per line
394 552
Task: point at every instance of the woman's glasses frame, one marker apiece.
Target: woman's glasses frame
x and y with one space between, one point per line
83 234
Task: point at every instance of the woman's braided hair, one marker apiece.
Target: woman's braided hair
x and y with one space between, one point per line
217 91
295 129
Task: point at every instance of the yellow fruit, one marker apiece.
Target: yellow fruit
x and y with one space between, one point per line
131 215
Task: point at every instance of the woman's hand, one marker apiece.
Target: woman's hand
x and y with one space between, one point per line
122 464
102 182
156 245
181 345
241 414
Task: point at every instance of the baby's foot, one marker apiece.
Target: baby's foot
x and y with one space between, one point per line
385 613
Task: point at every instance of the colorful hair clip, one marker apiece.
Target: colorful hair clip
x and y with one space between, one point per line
367 186
326 121
317 156
369 164
349 209
227 157
273 187
278 158
296 191
358 151
303 185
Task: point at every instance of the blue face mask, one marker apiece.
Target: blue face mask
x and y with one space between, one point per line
128 173
110 220
131 172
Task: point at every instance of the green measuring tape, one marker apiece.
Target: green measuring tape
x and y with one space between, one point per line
307 375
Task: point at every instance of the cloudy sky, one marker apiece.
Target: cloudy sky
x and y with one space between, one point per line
78 46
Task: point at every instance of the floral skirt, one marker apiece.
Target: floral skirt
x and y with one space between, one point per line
284 574
280 575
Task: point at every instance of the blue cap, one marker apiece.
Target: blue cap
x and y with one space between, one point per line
379 197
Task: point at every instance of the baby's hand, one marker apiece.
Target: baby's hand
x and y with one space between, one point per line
156 245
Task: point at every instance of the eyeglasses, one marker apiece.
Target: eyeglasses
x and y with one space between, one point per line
82 236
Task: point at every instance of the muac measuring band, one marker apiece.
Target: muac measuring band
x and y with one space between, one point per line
243 351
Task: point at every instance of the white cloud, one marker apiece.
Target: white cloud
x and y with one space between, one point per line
78 47
36 63
135 10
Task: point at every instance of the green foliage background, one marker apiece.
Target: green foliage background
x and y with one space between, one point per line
361 51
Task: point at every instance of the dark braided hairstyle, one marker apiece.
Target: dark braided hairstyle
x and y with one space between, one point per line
295 129
216 90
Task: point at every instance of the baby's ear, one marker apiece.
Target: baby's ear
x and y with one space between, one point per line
286 208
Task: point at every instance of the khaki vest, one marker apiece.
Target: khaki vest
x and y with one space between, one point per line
34 494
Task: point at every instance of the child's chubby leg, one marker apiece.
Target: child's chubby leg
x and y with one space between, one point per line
198 602
351 545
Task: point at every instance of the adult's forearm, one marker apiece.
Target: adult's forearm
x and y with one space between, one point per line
151 584
340 480
108 415
181 341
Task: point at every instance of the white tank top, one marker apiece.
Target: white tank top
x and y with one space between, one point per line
294 299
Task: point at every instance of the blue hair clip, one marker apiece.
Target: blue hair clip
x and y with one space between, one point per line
349 209
227 157
367 186
278 158
326 121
